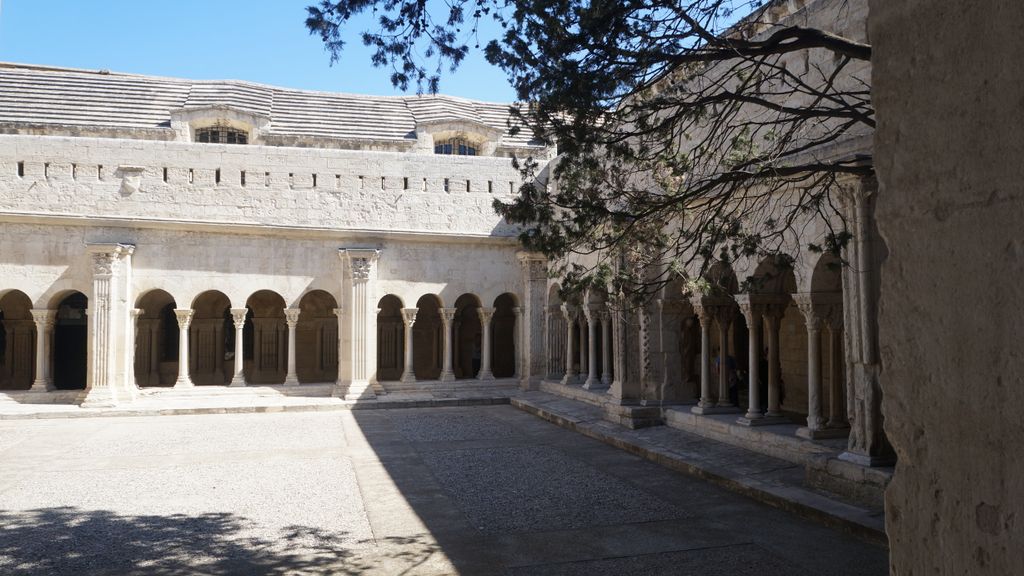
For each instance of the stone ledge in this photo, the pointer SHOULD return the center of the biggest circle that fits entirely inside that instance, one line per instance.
(792, 497)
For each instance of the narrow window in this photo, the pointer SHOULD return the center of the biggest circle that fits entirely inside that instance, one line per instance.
(266, 179)
(216, 176)
(99, 172)
(191, 175)
(165, 175)
(490, 187)
(46, 169)
(424, 184)
(291, 179)
(314, 180)
(241, 178)
(511, 190)
(445, 184)
(74, 171)
(381, 182)
(21, 169)
(405, 182)
(467, 186)
(337, 180)
(360, 182)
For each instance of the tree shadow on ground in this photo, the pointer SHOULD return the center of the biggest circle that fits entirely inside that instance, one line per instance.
(69, 540)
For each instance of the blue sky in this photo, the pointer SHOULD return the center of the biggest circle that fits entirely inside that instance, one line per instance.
(256, 40)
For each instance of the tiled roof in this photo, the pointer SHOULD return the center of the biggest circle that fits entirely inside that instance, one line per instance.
(44, 95)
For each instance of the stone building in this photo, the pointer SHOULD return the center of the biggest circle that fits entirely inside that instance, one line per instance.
(172, 236)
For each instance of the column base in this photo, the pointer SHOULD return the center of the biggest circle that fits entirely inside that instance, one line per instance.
(568, 379)
(867, 460)
(42, 386)
(407, 379)
(714, 409)
(821, 433)
(448, 376)
(184, 383)
(485, 376)
(762, 421)
(291, 381)
(593, 384)
(99, 398)
(237, 382)
(354, 391)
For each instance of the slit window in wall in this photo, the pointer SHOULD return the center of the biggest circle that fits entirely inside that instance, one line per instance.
(216, 176)
(99, 172)
(424, 184)
(266, 179)
(21, 169)
(221, 135)
(241, 178)
(165, 175)
(46, 169)
(511, 188)
(490, 187)
(291, 179)
(314, 180)
(360, 182)
(381, 182)
(446, 185)
(191, 175)
(405, 182)
(74, 171)
(337, 180)
(467, 186)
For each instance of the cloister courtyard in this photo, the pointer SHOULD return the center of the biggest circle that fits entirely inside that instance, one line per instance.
(469, 490)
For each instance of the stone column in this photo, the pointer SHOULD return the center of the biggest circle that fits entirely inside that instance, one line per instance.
(837, 399)
(107, 382)
(606, 348)
(725, 316)
(704, 317)
(773, 319)
(409, 318)
(485, 353)
(184, 317)
(590, 318)
(752, 312)
(812, 318)
(517, 338)
(569, 312)
(133, 344)
(360, 360)
(291, 317)
(448, 319)
(45, 321)
(530, 326)
(238, 318)
(339, 313)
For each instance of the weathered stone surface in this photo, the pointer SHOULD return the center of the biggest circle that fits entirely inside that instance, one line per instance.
(947, 87)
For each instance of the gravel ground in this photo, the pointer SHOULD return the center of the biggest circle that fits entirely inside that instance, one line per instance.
(473, 490)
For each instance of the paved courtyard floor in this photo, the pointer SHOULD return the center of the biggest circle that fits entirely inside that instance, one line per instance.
(480, 490)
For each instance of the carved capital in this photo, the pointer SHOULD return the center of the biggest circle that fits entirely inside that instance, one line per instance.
(291, 317)
(238, 317)
(810, 309)
(360, 262)
(518, 311)
(485, 315)
(751, 309)
(569, 312)
(339, 312)
(535, 265)
(184, 317)
(44, 318)
(447, 314)
(409, 316)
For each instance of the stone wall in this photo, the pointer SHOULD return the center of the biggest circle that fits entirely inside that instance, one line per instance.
(253, 185)
(949, 92)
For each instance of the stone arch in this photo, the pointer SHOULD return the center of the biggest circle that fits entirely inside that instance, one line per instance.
(555, 334)
(390, 338)
(827, 274)
(503, 336)
(468, 337)
(722, 283)
(265, 338)
(827, 289)
(680, 344)
(428, 338)
(211, 335)
(156, 339)
(71, 342)
(17, 341)
(316, 338)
